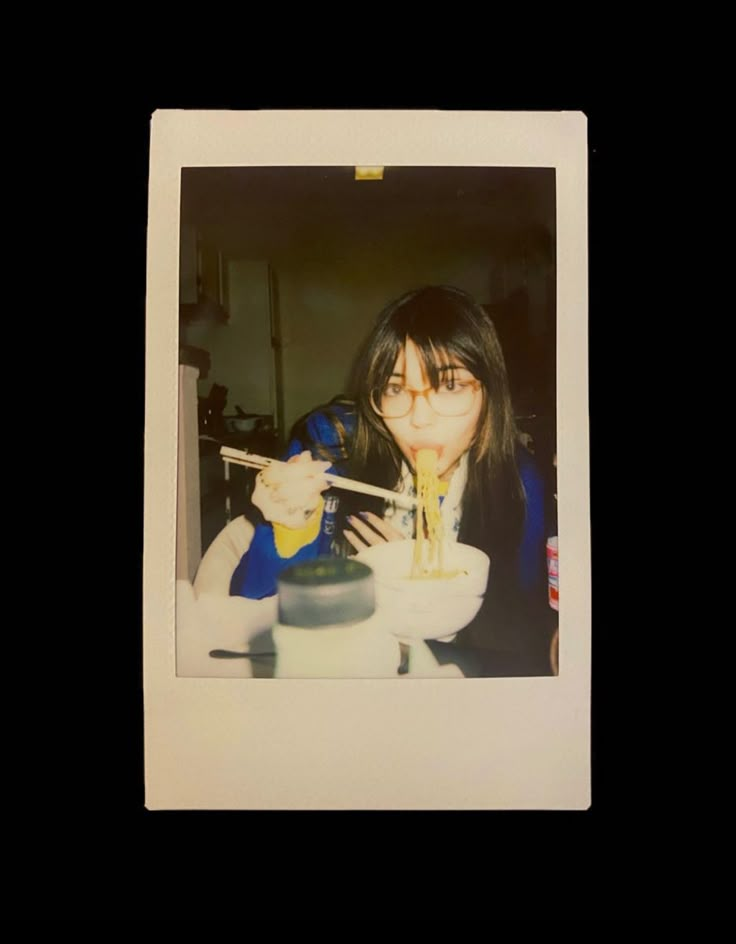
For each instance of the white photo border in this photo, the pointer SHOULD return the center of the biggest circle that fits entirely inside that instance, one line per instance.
(501, 743)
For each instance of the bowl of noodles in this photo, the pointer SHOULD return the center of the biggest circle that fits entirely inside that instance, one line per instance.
(427, 588)
(427, 602)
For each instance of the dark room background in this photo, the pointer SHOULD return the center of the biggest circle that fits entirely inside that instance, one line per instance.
(284, 269)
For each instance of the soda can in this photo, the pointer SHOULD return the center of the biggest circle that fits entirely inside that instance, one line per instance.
(553, 574)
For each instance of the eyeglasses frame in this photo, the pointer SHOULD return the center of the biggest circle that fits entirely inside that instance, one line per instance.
(475, 383)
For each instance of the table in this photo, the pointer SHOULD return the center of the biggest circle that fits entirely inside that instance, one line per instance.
(213, 622)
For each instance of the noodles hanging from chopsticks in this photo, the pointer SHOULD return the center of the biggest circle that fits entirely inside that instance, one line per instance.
(427, 561)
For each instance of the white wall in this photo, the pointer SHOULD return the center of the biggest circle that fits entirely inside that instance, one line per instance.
(330, 285)
(240, 351)
(326, 308)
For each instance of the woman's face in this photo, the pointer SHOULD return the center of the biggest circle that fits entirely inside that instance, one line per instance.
(449, 436)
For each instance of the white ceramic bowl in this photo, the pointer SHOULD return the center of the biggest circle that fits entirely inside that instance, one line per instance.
(430, 608)
(241, 424)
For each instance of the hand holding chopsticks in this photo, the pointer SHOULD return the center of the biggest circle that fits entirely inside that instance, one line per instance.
(337, 481)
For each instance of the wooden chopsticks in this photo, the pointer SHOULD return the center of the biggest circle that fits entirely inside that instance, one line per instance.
(238, 457)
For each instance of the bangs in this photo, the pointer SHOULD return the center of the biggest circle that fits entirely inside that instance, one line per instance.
(435, 356)
(447, 329)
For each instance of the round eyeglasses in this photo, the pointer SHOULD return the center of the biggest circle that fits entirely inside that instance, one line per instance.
(451, 398)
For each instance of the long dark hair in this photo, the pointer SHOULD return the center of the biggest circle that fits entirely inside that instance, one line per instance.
(444, 323)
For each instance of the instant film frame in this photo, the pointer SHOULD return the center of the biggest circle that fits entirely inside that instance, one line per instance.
(230, 743)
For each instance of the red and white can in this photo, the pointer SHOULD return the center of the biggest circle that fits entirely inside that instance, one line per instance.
(553, 574)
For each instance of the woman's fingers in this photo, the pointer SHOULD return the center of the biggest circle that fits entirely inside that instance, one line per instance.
(367, 533)
(371, 530)
(306, 469)
(301, 458)
(300, 475)
(288, 493)
(384, 528)
(297, 468)
(355, 541)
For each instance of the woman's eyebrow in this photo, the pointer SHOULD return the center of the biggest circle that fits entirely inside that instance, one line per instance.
(440, 369)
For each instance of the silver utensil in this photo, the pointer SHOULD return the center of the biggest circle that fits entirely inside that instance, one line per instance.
(229, 654)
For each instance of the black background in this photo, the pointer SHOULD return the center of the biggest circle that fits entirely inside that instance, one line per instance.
(86, 841)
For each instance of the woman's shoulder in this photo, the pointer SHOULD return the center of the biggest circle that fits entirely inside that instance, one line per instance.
(331, 424)
(526, 463)
(530, 474)
(329, 427)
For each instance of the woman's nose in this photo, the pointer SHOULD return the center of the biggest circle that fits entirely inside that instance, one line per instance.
(422, 413)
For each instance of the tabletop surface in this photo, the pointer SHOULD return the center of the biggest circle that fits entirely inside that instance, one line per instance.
(212, 622)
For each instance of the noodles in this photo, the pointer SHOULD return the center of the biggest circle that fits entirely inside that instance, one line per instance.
(428, 552)
(427, 562)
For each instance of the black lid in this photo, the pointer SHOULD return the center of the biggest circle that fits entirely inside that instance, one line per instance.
(327, 591)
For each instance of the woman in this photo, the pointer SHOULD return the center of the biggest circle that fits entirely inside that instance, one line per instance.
(430, 375)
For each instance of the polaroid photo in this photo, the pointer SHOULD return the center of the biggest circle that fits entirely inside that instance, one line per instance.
(366, 453)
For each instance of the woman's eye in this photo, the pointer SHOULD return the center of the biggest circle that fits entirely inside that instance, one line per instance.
(452, 386)
(392, 390)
